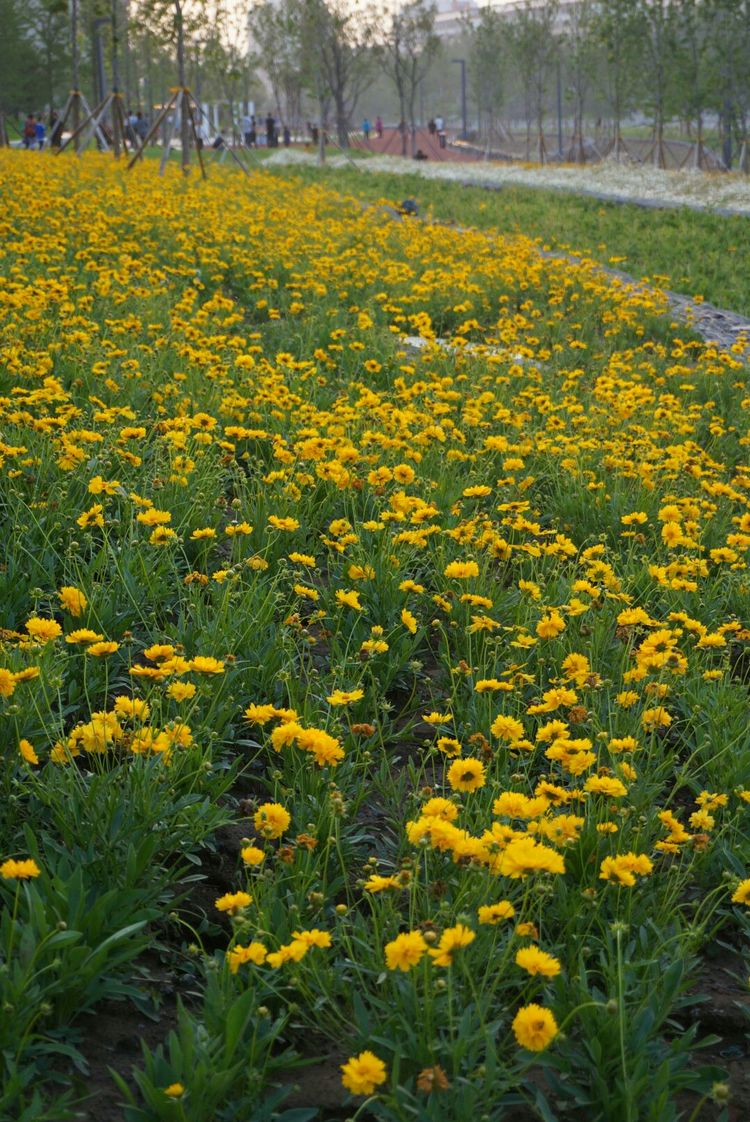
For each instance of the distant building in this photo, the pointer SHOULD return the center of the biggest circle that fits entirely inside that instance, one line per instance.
(452, 15)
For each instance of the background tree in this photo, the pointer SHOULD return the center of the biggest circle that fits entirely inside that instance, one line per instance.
(657, 35)
(488, 55)
(579, 49)
(534, 45)
(226, 58)
(690, 82)
(338, 49)
(47, 22)
(615, 30)
(728, 84)
(19, 81)
(408, 47)
(277, 32)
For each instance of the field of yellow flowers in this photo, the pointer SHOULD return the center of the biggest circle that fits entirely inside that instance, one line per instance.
(373, 669)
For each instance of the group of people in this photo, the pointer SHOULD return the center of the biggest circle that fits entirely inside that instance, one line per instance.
(367, 127)
(250, 132)
(34, 133)
(435, 126)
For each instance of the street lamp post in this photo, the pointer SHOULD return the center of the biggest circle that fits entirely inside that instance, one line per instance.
(462, 63)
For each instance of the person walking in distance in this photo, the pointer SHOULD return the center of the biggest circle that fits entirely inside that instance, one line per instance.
(270, 131)
(379, 126)
(29, 131)
(141, 127)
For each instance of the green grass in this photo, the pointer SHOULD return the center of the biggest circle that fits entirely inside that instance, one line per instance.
(701, 254)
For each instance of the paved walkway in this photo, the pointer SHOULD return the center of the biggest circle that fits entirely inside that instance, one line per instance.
(390, 144)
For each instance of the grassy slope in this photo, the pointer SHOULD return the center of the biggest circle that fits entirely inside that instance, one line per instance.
(700, 253)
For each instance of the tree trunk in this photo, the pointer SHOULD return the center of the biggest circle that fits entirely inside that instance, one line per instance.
(322, 132)
(657, 158)
(541, 146)
(182, 100)
(698, 153)
(342, 120)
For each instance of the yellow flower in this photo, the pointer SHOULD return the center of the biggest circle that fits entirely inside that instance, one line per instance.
(377, 883)
(534, 961)
(73, 600)
(7, 682)
(19, 870)
(181, 691)
(83, 635)
(409, 621)
(100, 650)
(203, 664)
(363, 1073)
(440, 808)
(605, 785)
(741, 894)
(43, 630)
(288, 524)
(514, 804)
(624, 868)
(27, 751)
(550, 625)
(252, 855)
(452, 940)
(534, 1027)
(507, 728)
(345, 697)
(461, 570)
(92, 517)
(348, 599)
(436, 718)
(466, 775)
(132, 707)
(485, 685)
(657, 718)
(233, 902)
(271, 820)
(405, 951)
(162, 535)
(238, 956)
(154, 517)
(448, 745)
(174, 1090)
(492, 914)
(306, 593)
(524, 856)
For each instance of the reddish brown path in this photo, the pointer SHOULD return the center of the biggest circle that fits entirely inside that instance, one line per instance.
(390, 144)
